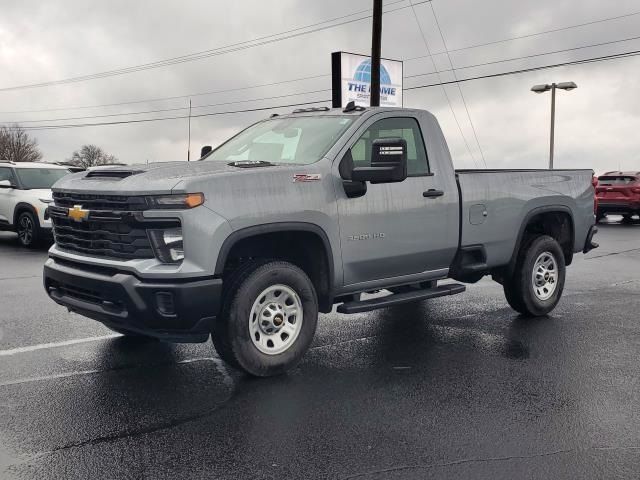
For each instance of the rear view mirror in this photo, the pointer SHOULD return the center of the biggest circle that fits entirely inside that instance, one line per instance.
(5, 184)
(388, 162)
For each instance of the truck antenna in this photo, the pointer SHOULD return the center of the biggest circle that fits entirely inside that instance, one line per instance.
(189, 142)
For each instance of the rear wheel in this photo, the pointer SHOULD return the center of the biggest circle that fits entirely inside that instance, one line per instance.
(28, 229)
(627, 219)
(268, 320)
(538, 279)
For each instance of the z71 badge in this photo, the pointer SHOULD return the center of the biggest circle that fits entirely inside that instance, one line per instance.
(307, 177)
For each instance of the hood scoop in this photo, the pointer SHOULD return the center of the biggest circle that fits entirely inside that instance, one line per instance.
(111, 174)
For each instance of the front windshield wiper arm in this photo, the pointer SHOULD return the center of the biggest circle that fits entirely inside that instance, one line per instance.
(251, 164)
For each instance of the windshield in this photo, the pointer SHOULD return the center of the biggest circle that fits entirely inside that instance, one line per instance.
(34, 178)
(299, 140)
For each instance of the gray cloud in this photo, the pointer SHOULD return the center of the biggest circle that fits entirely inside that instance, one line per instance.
(41, 41)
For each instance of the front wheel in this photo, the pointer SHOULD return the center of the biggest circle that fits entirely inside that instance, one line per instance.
(28, 230)
(268, 320)
(538, 279)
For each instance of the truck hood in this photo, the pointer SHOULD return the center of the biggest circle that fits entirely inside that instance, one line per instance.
(155, 178)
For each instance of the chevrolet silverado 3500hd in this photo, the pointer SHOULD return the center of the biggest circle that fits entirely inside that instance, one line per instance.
(301, 212)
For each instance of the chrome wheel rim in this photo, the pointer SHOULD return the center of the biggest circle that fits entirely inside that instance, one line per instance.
(544, 278)
(25, 230)
(275, 320)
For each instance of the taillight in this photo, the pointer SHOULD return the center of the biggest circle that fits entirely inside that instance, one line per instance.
(594, 183)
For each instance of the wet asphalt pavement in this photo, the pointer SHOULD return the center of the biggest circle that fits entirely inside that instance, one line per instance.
(459, 387)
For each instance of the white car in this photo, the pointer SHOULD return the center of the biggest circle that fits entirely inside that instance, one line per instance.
(25, 192)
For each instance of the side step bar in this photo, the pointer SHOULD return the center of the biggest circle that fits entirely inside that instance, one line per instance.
(399, 298)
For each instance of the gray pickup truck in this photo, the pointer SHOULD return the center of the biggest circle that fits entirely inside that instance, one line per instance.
(301, 212)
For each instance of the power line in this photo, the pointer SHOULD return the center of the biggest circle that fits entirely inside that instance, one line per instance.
(530, 35)
(455, 76)
(629, 54)
(604, 58)
(326, 75)
(209, 53)
(317, 91)
(162, 110)
(524, 57)
(175, 97)
(464, 67)
(144, 120)
(444, 90)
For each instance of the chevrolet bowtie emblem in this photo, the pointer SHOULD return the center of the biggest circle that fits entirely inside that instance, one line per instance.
(78, 214)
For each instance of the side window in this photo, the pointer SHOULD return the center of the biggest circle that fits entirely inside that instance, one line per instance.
(7, 174)
(406, 128)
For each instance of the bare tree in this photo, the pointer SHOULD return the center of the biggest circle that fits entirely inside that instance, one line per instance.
(91, 156)
(17, 146)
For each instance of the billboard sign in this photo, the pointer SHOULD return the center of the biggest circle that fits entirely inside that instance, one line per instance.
(351, 80)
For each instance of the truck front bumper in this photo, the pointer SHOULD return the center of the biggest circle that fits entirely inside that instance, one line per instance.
(169, 310)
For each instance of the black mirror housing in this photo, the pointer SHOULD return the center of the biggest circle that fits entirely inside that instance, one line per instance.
(388, 162)
(205, 150)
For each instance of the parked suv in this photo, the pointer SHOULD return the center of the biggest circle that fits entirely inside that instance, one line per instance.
(619, 193)
(25, 192)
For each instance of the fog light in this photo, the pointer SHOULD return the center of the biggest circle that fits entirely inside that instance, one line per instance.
(165, 303)
(168, 245)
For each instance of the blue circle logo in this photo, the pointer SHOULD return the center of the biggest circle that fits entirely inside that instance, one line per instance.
(363, 73)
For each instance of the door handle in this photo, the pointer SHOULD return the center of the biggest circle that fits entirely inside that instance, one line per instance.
(432, 193)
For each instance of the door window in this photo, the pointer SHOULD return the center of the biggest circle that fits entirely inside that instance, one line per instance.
(7, 174)
(406, 128)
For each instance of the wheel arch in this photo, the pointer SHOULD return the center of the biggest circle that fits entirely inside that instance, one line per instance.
(24, 207)
(554, 220)
(293, 241)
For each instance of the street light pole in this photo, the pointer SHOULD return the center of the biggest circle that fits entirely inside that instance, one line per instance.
(376, 51)
(568, 86)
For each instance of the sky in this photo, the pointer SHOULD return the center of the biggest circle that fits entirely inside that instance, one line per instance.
(597, 125)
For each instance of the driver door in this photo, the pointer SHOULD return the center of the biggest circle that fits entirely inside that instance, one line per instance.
(393, 231)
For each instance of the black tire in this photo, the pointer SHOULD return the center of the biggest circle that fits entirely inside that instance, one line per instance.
(230, 332)
(519, 289)
(627, 219)
(28, 230)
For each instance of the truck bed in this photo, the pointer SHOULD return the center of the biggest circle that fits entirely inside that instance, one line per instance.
(496, 203)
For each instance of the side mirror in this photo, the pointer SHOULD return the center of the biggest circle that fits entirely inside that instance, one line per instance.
(388, 162)
(6, 184)
(205, 150)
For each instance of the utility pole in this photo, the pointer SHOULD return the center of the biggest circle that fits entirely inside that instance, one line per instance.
(553, 123)
(189, 146)
(376, 51)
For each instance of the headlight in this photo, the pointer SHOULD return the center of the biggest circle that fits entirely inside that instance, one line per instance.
(180, 201)
(168, 245)
(46, 200)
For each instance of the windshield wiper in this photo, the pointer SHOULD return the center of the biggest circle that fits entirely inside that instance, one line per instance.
(251, 164)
